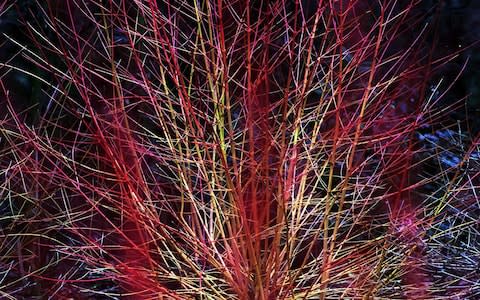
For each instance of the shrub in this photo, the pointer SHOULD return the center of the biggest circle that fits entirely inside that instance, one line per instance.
(232, 150)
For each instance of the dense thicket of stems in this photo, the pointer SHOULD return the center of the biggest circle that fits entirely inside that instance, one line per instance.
(234, 150)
